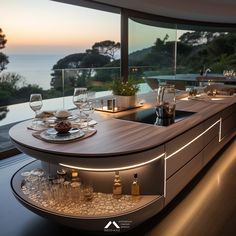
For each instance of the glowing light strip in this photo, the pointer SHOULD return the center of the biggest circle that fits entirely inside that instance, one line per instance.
(152, 160)
(165, 177)
(220, 131)
(113, 169)
(187, 144)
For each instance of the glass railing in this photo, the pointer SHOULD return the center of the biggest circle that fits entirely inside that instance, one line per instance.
(183, 79)
(57, 88)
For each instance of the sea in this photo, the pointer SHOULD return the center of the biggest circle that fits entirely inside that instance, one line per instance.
(37, 69)
(34, 69)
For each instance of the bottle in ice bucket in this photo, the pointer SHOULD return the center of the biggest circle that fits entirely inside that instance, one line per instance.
(165, 108)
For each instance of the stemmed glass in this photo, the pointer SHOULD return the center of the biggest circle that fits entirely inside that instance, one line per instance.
(36, 104)
(79, 99)
(88, 109)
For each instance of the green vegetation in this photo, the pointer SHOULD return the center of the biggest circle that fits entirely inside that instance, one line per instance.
(83, 69)
(3, 58)
(128, 88)
(195, 51)
(97, 67)
(13, 89)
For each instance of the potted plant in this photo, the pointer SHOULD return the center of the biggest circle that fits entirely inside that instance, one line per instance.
(125, 92)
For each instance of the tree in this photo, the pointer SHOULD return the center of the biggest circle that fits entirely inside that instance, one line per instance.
(215, 50)
(106, 48)
(79, 67)
(160, 55)
(3, 58)
(196, 38)
(3, 41)
(72, 61)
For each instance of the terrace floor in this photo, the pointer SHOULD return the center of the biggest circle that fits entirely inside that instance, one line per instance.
(5, 142)
(207, 206)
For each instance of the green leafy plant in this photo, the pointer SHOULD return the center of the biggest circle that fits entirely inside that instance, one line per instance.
(128, 88)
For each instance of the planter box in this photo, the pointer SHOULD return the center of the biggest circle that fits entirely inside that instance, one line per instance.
(125, 101)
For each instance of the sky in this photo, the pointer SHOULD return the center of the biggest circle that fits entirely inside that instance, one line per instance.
(48, 27)
(144, 36)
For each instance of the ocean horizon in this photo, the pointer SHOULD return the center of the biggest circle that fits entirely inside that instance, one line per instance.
(34, 68)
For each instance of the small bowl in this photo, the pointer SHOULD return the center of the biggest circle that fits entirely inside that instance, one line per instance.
(63, 127)
(62, 114)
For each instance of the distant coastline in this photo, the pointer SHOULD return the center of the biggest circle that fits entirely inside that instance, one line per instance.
(35, 68)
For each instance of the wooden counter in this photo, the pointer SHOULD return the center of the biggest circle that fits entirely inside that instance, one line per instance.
(118, 137)
(165, 158)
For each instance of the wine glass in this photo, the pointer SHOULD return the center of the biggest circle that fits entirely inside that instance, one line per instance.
(79, 99)
(36, 104)
(88, 109)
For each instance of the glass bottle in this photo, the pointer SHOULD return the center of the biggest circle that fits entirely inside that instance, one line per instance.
(165, 108)
(135, 188)
(75, 176)
(117, 186)
(61, 173)
(75, 186)
(166, 101)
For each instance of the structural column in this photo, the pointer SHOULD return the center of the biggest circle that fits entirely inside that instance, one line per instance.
(124, 45)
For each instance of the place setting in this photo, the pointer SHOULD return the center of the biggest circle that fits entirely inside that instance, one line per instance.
(62, 126)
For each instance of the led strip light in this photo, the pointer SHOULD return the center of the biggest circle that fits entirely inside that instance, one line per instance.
(114, 169)
(187, 144)
(164, 188)
(152, 160)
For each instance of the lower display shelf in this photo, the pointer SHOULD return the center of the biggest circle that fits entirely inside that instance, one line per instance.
(73, 209)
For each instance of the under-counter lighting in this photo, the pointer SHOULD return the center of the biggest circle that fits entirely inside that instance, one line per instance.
(220, 131)
(149, 161)
(113, 169)
(187, 144)
(191, 209)
(184, 99)
(164, 188)
(217, 99)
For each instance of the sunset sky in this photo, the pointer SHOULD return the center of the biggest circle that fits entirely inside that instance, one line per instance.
(47, 27)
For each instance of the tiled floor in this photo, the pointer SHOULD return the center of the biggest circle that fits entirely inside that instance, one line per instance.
(207, 207)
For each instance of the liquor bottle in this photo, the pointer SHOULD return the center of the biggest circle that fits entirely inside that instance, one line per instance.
(135, 189)
(117, 186)
(75, 186)
(75, 176)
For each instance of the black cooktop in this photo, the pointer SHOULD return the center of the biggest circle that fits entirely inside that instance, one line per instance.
(149, 116)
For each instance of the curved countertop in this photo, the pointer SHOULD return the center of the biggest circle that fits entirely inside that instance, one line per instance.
(118, 137)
